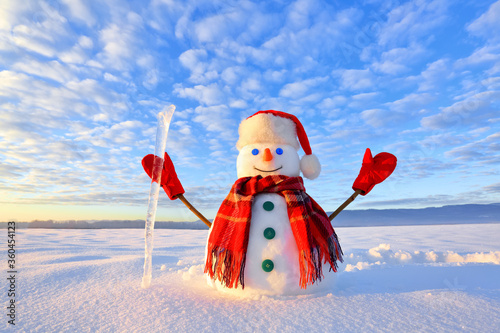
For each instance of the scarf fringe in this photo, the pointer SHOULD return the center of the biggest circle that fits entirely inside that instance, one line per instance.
(225, 267)
(311, 261)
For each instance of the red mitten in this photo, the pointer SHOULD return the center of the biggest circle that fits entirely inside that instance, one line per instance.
(169, 180)
(374, 170)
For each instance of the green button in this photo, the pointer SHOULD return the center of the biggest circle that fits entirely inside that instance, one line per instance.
(269, 233)
(268, 205)
(267, 265)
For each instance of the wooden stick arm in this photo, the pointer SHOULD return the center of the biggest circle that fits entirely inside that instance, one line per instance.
(344, 205)
(194, 210)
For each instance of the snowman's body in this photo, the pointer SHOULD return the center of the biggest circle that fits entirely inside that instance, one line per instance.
(272, 253)
(270, 239)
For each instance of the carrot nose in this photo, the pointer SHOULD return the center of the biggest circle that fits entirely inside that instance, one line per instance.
(267, 156)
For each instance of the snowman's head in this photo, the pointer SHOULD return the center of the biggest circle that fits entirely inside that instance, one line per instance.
(268, 159)
(268, 145)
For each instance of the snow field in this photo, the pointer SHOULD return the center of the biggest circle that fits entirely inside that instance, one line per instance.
(411, 279)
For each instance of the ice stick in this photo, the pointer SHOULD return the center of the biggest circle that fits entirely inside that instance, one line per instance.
(164, 118)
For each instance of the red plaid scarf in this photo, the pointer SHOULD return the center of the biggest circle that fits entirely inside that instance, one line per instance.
(314, 235)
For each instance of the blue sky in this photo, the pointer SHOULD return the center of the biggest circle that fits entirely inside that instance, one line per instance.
(81, 83)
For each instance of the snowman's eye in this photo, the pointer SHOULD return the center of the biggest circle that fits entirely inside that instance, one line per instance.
(279, 151)
(255, 151)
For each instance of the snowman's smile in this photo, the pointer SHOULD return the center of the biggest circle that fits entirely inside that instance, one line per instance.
(267, 170)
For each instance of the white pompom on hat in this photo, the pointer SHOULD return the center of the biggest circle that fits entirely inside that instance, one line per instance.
(277, 127)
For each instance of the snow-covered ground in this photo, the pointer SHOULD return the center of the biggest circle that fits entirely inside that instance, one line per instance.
(440, 278)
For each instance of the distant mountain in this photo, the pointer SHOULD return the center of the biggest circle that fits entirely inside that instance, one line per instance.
(457, 214)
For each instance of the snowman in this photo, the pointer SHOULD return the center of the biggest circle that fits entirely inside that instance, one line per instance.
(269, 236)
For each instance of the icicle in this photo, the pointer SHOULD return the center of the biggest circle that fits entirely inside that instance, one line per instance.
(164, 118)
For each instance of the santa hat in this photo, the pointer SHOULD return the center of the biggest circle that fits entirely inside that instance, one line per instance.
(277, 127)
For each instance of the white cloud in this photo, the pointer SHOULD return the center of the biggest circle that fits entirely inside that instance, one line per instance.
(305, 101)
(11, 12)
(85, 42)
(336, 123)
(411, 102)
(495, 70)
(84, 98)
(244, 23)
(491, 83)
(195, 61)
(215, 28)
(238, 104)
(53, 70)
(300, 14)
(380, 117)
(36, 27)
(80, 11)
(483, 55)
(481, 151)
(434, 74)
(301, 88)
(122, 42)
(110, 102)
(333, 102)
(33, 40)
(112, 78)
(398, 60)
(15, 129)
(79, 53)
(151, 77)
(251, 84)
(73, 56)
(362, 100)
(468, 111)
(62, 151)
(487, 24)
(330, 27)
(217, 119)
(250, 89)
(184, 127)
(432, 142)
(183, 24)
(389, 67)
(413, 20)
(356, 79)
(274, 75)
(11, 171)
(304, 40)
(117, 135)
(101, 117)
(117, 46)
(191, 59)
(207, 95)
(232, 75)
